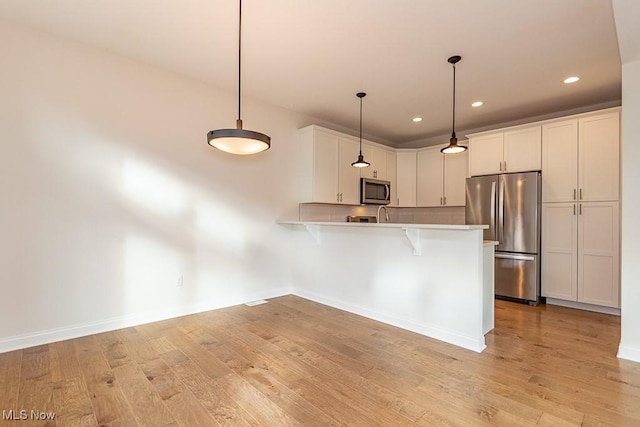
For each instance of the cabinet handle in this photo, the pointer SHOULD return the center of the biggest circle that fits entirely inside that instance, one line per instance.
(445, 200)
(574, 194)
(500, 165)
(337, 197)
(505, 166)
(574, 209)
(580, 209)
(398, 201)
(440, 201)
(340, 196)
(581, 194)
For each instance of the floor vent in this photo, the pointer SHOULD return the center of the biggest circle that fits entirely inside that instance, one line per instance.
(252, 303)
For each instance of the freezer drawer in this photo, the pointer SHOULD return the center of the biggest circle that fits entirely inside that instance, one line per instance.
(517, 276)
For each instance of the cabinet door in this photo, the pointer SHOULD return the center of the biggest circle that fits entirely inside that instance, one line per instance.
(455, 174)
(325, 167)
(599, 157)
(522, 150)
(392, 175)
(560, 161)
(598, 254)
(559, 278)
(348, 176)
(485, 154)
(378, 159)
(429, 182)
(406, 178)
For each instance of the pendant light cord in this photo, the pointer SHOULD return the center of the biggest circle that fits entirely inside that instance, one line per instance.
(453, 127)
(239, 122)
(360, 125)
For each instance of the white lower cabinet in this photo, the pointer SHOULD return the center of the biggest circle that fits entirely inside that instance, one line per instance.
(580, 252)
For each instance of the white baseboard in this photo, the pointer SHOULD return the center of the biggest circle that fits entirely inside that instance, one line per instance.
(584, 306)
(75, 331)
(629, 352)
(432, 331)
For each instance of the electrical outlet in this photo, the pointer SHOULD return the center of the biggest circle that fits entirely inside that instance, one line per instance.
(180, 282)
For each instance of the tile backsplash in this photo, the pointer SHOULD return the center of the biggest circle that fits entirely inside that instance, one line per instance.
(339, 213)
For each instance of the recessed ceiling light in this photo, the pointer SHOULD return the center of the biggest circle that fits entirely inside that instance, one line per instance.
(571, 79)
(417, 119)
(477, 103)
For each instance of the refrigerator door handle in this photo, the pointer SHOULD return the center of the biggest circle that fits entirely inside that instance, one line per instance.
(517, 257)
(501, 211)
(494, 224)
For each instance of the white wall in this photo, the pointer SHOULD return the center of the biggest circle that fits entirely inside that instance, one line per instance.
(626, 13)
(110, 193)
(630, 273)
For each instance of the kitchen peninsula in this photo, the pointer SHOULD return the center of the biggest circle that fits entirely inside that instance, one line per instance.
(433, 279)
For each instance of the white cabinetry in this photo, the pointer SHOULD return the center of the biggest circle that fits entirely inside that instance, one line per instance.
(406, 178)
(516, 150)
(440, 178)
(378, 158)
(392, 174)
(325, 171)
(429, 177)
(581, 158)
(580, 213)
(580, 252)
(455, 175)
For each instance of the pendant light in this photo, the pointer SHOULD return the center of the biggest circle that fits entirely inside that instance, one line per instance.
(238, 140)
(453, 146)
(361, 162)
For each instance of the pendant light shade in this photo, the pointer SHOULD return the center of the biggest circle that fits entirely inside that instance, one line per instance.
(453, 146)
(238, 140)
(361, 162)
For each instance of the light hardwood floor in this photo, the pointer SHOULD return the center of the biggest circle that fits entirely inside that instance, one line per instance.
(296, 362)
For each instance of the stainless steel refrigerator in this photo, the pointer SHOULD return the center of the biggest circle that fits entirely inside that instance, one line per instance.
(510, 205)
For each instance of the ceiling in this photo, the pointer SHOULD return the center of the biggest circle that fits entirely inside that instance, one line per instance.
(313, 56)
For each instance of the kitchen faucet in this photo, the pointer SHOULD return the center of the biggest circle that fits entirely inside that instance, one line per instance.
(386, 214)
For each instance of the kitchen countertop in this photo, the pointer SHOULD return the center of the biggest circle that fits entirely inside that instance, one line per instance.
(389, 225)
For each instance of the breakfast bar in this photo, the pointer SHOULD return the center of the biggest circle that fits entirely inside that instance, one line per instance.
(433, 279)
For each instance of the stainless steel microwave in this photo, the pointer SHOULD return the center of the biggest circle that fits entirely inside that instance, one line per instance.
(374, 191)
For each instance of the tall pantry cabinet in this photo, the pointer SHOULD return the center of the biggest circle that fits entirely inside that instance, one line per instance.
(580, 209)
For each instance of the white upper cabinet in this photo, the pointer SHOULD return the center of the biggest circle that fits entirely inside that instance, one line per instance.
(455, 175)
(392, 175)
(441, 178)
(348, 176)
(517, 150)
(560, 161)
(406, 179)
(581, 159)
(378, 158)
(430, 177)
(599, 157)
(325, 171)
(485, 154)
(523, 150)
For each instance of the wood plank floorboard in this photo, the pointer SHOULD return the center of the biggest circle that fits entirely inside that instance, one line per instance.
(294, 362)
